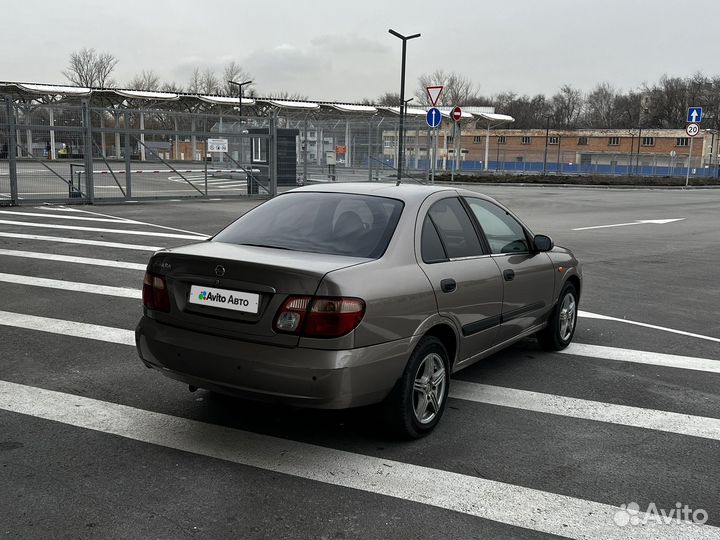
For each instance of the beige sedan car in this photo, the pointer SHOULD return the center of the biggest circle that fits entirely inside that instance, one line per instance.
(347, 295)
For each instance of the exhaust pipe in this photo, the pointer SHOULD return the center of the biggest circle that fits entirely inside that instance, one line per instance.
(192, 388)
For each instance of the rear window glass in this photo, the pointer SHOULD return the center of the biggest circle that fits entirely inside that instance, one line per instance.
(331, 223)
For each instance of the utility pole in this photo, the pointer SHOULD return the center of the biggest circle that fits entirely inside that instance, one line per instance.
(401, 134)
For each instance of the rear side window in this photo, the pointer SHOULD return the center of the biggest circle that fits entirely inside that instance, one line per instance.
(456, 231)
(430, 245)
(330, 223)
(503, 232)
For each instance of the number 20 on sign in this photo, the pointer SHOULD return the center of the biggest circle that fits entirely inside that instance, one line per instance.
(692, 129)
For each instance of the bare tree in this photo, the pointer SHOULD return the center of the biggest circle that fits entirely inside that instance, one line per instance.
(600, 106)
(171, 87)
(87, 67)
(389, 99)
(284, 94)
(567, 106)
(457, 89)
(195, 81)
(234, 72)
(145, 80)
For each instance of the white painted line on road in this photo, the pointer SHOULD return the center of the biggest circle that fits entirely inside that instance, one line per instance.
(72, 259)
(597, 411)
(637, 222)
(68, 328)
(96, 229)
(60, 216)
(65, 240)
(643, 357)
(514, 505)
(122, 292)
(588, 315)
(682, 424)
(126, 220)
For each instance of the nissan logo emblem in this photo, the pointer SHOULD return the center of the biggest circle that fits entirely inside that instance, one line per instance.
(220, 270)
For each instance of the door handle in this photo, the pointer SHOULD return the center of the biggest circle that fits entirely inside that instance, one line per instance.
(448, 285)
(509, 275)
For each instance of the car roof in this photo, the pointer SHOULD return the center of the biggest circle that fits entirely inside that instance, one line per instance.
(408, 193)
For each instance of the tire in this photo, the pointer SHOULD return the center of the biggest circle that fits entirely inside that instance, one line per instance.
(417, 402)
(562, 321)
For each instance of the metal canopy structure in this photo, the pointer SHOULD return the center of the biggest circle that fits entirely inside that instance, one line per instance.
(491, 120)
(120, 98)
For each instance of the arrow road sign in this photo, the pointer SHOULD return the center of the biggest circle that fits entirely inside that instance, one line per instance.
(637, 222)
(434, 117)
(456, 113)
(692, 129)
(433, 93)
(695, 115)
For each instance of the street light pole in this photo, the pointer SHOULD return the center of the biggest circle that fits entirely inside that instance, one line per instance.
(401, 132)
(240, 92)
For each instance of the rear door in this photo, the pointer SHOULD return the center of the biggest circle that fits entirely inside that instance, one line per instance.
(528, 277)
(464, 277)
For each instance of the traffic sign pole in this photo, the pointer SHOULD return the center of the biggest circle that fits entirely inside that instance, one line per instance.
(687, 176)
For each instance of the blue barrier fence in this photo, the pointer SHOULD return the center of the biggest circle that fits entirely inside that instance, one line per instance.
(535, 167)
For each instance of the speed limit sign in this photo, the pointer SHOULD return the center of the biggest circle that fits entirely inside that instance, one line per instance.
(692, 129)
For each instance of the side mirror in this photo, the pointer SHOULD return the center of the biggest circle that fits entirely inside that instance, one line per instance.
(543, 243)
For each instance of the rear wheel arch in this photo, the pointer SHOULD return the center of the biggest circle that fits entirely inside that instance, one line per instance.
(446, 334)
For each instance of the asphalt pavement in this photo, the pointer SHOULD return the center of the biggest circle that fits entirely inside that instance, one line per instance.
(533, 444)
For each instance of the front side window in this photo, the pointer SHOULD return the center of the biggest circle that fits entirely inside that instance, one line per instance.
(503, 232)
(329, 223)
(455, 229)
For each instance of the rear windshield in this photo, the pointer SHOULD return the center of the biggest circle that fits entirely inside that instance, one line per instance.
(331, 223)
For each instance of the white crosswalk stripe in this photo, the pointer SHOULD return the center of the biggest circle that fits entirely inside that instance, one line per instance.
(681, 424)
(70, 259)
(498, 501)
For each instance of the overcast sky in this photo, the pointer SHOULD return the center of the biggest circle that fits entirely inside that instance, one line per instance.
(342, 50)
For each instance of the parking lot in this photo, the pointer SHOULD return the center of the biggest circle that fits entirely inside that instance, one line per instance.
(533, 444)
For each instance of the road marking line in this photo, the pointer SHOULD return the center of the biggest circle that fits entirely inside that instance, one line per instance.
(122, 292)
(97, 229)
(643, 357)
(64, 240)
(72, 259)
(588, 315)
(637, 222)
(598, 411)
(126, 220)
(682, 424)
(502, 502)
(96, 332)
(60, 216)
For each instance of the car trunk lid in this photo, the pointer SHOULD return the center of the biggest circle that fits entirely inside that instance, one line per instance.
(227, 271)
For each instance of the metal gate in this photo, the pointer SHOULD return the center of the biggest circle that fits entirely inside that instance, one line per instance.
(66, 153)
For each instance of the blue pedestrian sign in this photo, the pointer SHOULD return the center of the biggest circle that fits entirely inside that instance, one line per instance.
(434, 117)
(695, 115)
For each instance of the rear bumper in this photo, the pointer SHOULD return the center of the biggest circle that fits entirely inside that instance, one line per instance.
(328, 379)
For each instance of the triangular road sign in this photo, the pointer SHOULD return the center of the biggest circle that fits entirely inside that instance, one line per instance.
(434, 94)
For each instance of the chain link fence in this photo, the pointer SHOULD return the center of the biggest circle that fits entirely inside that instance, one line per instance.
(78, 153)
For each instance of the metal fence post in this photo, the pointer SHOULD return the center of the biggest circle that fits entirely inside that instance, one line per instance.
(12, 151)
(273, 154)
(89, 183)
(128, 156)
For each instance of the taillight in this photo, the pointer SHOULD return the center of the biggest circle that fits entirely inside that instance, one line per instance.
(155, 293)
(321, 317)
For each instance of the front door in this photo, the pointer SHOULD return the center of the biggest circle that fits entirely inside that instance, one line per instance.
(528, 276)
